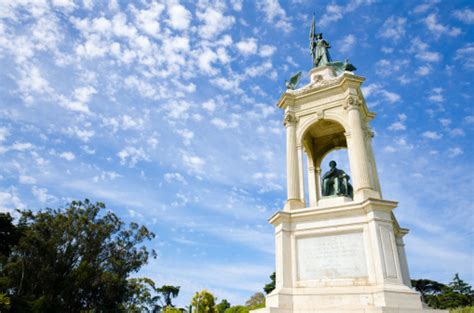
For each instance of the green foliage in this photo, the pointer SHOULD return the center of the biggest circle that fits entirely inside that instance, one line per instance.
(469, 309)
(237, 309)
(271, 285)
(204, 302)
(170, 309)
(456, 294)
(168, 293)
(257, 299)
(222, 306)
(76, 259)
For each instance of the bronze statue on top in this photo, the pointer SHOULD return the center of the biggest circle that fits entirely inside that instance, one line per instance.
(335, 182)
(320, 52)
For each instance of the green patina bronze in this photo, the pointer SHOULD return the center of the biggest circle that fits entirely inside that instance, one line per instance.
(335, 182)
(294, 80)
(319, 47)
(320, 52)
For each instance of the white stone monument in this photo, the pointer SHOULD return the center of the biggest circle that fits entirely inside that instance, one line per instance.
(336, 254)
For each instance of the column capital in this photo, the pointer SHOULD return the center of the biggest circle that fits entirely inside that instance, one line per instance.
(290, 118)
(352, 103)
(369, 132)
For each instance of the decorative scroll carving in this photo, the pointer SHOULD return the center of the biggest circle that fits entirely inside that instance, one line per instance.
(369, 132)
(352, 103)
(290, 117)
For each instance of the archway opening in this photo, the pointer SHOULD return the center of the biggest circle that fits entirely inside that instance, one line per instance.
(322, 141)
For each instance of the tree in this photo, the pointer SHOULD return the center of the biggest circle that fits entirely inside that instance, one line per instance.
(256, 301)
(74, 260)
(427, 288)
(204, 302)
(168, 293)
(222, 306)
(237, 309)
(271, 285)
(9, 236)
(439, 296)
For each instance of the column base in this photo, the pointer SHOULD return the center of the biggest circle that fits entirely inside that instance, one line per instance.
(293, 204)
(362, 299)
(385, 309)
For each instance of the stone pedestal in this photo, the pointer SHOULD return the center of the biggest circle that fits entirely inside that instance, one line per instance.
(341, 257)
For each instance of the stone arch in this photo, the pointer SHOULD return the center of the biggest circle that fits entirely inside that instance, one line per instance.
(307, 124)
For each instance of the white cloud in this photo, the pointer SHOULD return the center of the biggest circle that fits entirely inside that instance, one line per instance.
(347, 43)
(84, 94)
(10, 200)
(267, 51)
(469, 119)
(209, 106)
(25, 179)
(377, 90)
(465, 15)
(454, 152)
(397, 126)
(214, 22)
(466, 55)
(335, 12)
(42, 194)
(428, 56)
(223, 124)
(175, 177)
(275, 14)
(247, 46)
(4, 133)
(69, 156)
(32, 81)
(131, 156)
(205, 60)
(438, 29)
(22, 146)
(445, 121)
(83, 134)
(421, 8)
(393, 28)
(148, 19)
(193, 162)
(456, 132)
(179, 16)
(432, 135)
(237, 4)
(423, 70)
(186, 134)
(436, 95)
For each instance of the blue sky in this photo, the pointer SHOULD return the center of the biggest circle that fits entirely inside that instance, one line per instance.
(165, 111)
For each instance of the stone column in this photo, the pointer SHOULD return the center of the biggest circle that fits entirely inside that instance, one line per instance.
(317, 173)
(301, 174)
(358, 155)
(312, 185)
(292, 168)
(375, 175)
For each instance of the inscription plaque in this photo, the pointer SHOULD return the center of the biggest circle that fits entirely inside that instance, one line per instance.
(331, 256)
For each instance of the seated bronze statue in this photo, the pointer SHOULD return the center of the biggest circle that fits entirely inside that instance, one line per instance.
(335, 182)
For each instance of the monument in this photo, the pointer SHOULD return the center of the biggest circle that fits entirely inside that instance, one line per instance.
(342, 249)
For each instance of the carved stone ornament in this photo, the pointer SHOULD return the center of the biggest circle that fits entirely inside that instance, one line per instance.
(370, 133)
(351, 102)
(320, 115)
(290, 117)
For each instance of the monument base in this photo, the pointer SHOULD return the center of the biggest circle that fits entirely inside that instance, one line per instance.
(341, 256)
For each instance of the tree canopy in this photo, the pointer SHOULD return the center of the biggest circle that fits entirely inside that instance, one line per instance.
(75, 259)
(204, 302)
(440, 296)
